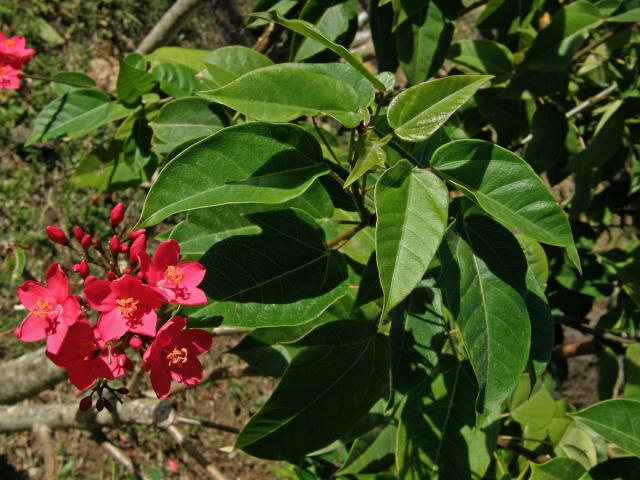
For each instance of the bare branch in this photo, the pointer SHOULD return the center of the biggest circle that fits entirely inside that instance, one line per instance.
(27, 376)
(48, 449)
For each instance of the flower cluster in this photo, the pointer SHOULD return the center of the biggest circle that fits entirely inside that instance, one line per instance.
(13, 57)
(131, 299)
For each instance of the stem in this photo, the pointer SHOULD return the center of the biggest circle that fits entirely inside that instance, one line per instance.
(472, 7)
(507, 444)
(576, 324)
(337, 242)
(596, 43)
(324, 140)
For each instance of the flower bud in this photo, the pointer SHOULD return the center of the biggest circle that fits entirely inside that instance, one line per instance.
(108, 405)
(89, 279)
(136, 233)
(124, 247)
(126, 271)
(85, 403)
(135, 343)
(85, 241)
(83, 268)
(111, 276)
(95, 199)
(56, 235)
(123, 390)
(114, 245)
(100, 404)
(138, 246)
(78, 233)
(117, 215)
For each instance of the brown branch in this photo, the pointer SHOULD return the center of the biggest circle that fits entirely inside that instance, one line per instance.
(575, 349)
(599, 41)
(344, 237)
(27, 376)
(507, 444)
(604, 337)
(43, 437)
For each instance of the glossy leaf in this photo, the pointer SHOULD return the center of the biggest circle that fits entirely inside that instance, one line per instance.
(616, 421)
(250, 163)
(559, 468)
(282, 276)
(411, 208)
(483, 280)
(337, 377)
(437, 436)
(311, 31)
(283, 92)
(419, 111)
(506, 187)
(75, 114)
(228, 63)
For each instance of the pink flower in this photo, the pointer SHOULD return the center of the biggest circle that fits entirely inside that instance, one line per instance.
(127, 305)
(173, 355)
(85, 357)
(176, 282)
(13, 51)
(51, 309)
(9, 78)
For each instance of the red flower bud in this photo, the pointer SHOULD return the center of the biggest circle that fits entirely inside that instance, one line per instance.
(136, 233)
(140, 275)
(138, 246)
(85, 403)
(88, 280)
(95, 199)
(114, 245)
(56, 235)
(126, 271)
(123, 390)
(111, 276)
(117, 215)
(83, 268)
(135, 343)
(78, 233)
(100, 404)
(86, 241)
(124, 247)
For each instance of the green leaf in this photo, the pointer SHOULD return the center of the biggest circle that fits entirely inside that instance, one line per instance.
(615, 469)
(608, 369)
(249, 163)
(557, 469)
(437, 436)
(419, 111)
(176, 80)
(506, 187)
(266, 359)
(335, 21)
(381, 23)
(630, 16)
(206, 226)
(537, 411)
(632, 372)
(311, 31)
(337, 377)
(229, 63)
(374, 155)
(616, 421)
(185, 119)
(549, 134)
(78, 78)
(283, 276)
(554, 47)
(189, 57)
(133, 80)
(283, 92)
(422, 41)
(369, 288)
(482, 56)
(542, 325)
(483, 280)
(75, 114)
(372, 452)
(411, 208)
(536, 259)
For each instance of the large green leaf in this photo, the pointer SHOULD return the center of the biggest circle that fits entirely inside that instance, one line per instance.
(559, 468)
(632, 372)
(482, 56)
(549, 133)
(185, 119)
(133, 80)
(206, 226)
(411, 208)
(419, 111)
(483, 280)
(189, 57)
(337, 377)
(228, 63)
(422, 41)
(311, 31)
(437, 435)
(283, 92)
(176, 80)
(507, 188)
(371, 452)
(249, 163)
(283, 276)
(76, 113)
(616, 421)
(555, 46)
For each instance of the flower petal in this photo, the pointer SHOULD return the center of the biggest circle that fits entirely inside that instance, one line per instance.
(57, 283)
(32, 329)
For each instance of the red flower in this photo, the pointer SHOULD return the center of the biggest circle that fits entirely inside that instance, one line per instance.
(176, 282)
(9, 78)
(127, 305)
(13, 51)
(85, 357)
(117, 215)
(173, 355)
(51, 309)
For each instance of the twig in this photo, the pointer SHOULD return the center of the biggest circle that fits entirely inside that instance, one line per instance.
(337, 242)
(508, 444)
(229, 331)
(472, 7)
(262, 43)
(188, 446)
(599, 41)
(576, 324)
(118, 455)
(575, 349)
(207, 424)
(324, 140)
(43, 436)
